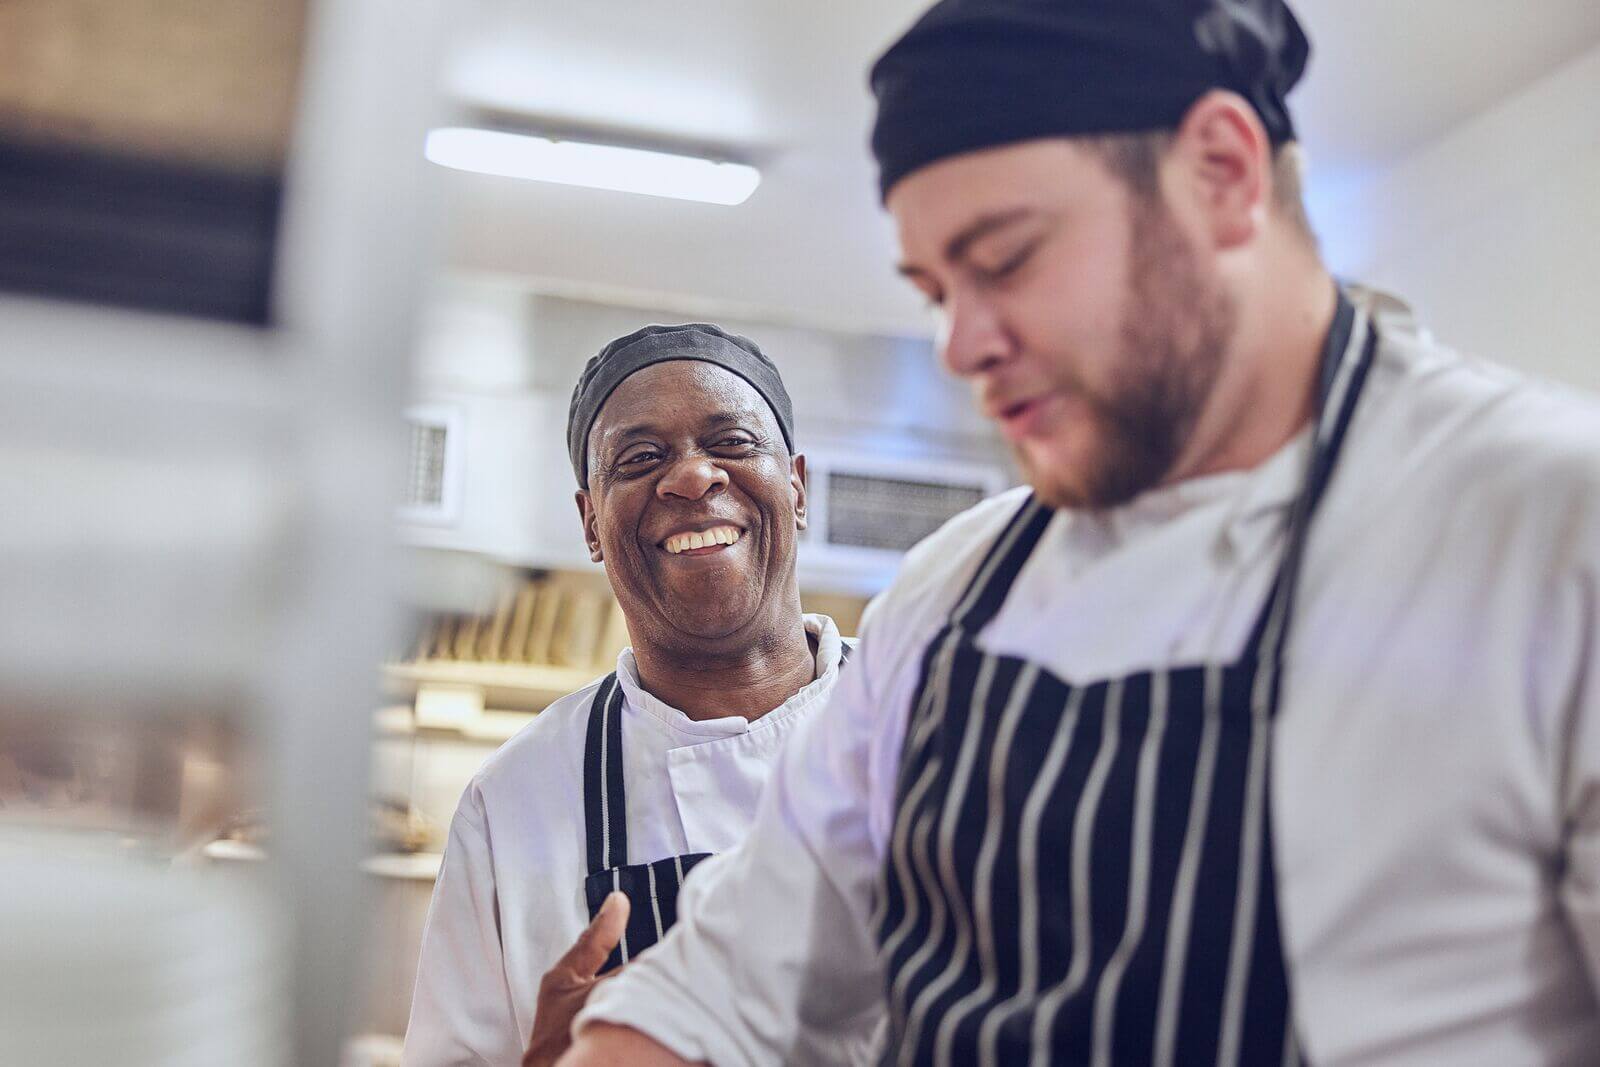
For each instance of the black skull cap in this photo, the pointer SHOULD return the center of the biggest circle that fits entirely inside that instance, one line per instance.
(973, 74)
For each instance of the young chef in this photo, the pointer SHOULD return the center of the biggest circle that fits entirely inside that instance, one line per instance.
(691, 493)
(1265, 724)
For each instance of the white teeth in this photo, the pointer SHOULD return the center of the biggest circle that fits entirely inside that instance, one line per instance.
(685, 542)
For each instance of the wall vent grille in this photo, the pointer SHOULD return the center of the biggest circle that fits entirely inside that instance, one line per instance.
(893, 513)
(433, 472)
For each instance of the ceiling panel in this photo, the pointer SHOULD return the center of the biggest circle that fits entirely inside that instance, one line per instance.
(785, 84)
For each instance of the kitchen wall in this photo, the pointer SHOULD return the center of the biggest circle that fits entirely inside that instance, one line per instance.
(507, 359)
(1492, 232)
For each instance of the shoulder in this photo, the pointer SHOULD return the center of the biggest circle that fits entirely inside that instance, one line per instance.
(934, 573)
(546, 752)
(936, 570)
(1488, 452)
(1505, 433)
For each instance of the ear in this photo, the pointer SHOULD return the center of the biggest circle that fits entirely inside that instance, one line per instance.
(591, 533)
(797, 483)
(1224, 162)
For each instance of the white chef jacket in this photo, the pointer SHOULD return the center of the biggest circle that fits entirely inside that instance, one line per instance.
(509, 900)
(1436, 756)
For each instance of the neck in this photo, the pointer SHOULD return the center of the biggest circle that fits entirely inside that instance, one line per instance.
(1266, 391)
(760, 677)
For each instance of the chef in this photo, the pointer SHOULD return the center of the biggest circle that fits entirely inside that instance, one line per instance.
(1263, 724)
(692, 495)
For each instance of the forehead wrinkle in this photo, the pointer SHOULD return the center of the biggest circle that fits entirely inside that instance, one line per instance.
(744, 414)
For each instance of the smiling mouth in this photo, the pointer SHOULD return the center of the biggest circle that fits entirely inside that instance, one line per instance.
(703, 542)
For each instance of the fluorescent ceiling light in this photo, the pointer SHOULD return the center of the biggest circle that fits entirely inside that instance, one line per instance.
(597, 166)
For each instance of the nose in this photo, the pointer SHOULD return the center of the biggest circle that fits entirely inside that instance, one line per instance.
(972, 339)
(691, 478)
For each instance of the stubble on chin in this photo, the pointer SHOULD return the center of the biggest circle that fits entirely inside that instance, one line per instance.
(1176, 326)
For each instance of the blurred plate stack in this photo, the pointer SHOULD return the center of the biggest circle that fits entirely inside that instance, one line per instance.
(540, 622)
(117, 959)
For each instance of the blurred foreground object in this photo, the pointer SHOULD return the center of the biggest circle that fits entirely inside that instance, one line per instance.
(113, 959)
(197, 511)
(142, 150)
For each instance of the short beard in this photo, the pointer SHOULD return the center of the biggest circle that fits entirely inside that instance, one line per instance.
(1175, 328)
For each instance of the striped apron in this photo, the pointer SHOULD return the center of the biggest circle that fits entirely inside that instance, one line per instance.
(1082, 874)
(652, 888)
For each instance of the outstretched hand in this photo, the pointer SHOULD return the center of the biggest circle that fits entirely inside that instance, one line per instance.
(566, 986)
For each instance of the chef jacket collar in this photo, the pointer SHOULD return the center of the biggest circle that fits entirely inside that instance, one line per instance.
(1267, 499)
(1257, 501)
(829, 646)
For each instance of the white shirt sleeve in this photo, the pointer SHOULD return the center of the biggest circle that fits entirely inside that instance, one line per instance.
(772, 960)
(461, 1010)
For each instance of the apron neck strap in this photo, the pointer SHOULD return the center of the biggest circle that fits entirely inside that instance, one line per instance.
(989, 587)
(1347, 358)
(605, 804)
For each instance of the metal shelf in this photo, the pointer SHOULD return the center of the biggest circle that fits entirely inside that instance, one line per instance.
(490, 728)
(508, 686)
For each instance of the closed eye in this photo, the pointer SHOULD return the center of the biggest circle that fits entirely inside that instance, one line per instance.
(1010, 263)
(733, 441)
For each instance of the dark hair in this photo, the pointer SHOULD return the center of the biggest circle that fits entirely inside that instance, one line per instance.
(1135, 159)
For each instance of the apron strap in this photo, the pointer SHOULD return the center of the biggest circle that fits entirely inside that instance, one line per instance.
(987, 590)
(1351, 350)
(605, 804)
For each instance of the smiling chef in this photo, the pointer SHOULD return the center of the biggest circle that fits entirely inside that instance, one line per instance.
(692, 495)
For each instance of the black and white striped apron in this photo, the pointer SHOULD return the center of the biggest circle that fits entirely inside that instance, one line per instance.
(1083, 874)
(652, 888)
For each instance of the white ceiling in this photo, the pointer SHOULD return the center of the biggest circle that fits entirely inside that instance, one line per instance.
(784, 83)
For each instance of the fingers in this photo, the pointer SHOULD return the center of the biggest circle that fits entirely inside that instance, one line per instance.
(588, 954)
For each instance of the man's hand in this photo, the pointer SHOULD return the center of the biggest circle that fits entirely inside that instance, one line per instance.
(565, 987)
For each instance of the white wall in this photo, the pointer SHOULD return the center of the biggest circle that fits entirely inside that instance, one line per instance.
(1492, 232)
(477, 354)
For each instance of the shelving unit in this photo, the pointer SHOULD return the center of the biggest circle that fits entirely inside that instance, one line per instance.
(505, 686)
(414, 866)
(492, 728)
(408, 866)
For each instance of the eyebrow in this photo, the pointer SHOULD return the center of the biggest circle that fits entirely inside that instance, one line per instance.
(980, 227)
(624, 433)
